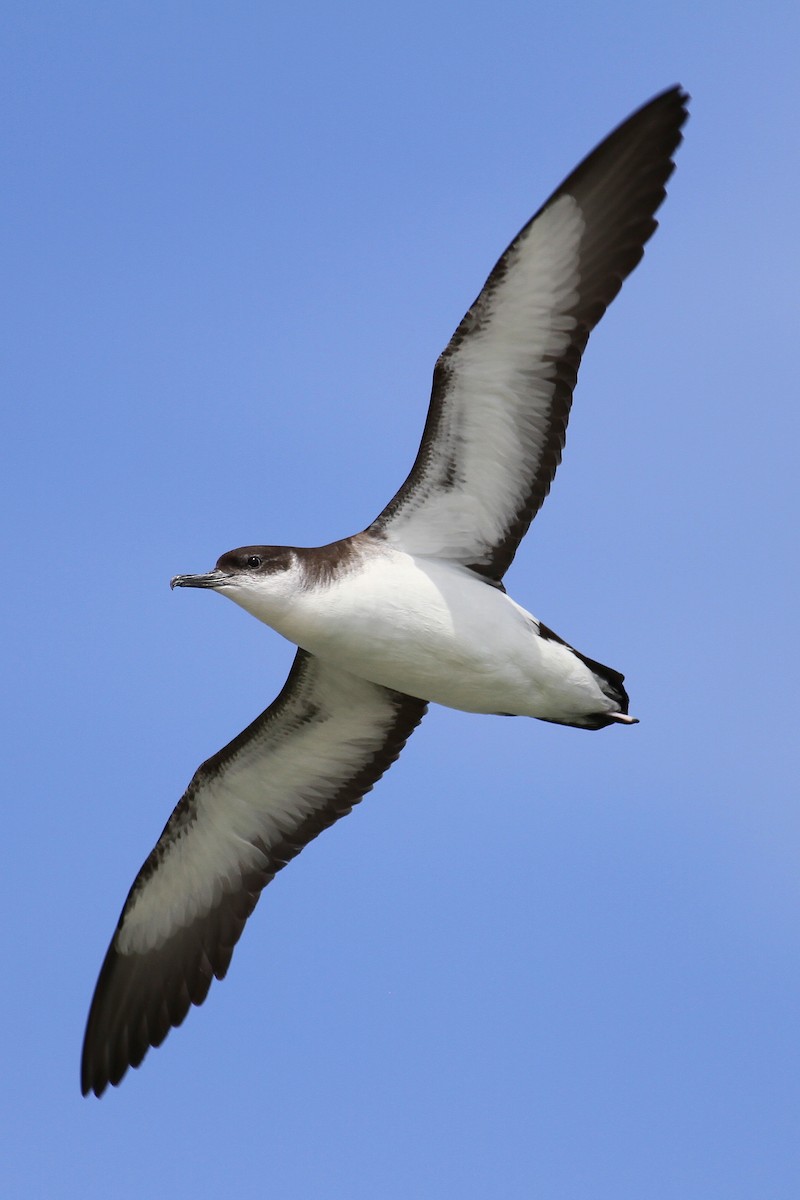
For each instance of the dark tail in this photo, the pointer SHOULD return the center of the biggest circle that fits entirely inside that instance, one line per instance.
(610, 681)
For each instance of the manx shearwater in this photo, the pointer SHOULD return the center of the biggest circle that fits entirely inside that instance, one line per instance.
(409, 611)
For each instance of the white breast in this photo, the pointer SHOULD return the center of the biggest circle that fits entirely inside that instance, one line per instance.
(435, 630)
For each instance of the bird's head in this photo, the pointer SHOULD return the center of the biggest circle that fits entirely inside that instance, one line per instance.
(262, 579)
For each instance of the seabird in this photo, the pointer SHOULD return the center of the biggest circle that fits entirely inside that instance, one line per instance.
(410, 611)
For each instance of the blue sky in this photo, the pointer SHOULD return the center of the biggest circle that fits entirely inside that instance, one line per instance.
(535, 962)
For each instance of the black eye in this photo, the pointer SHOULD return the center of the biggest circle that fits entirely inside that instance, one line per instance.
(253, 561)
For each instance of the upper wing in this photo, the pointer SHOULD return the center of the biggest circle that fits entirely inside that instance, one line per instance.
(502, 389)
(303, 763)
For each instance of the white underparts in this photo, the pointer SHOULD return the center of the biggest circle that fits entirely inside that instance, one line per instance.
(431, 629)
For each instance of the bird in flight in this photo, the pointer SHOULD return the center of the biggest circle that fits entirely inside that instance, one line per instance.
(410, 611)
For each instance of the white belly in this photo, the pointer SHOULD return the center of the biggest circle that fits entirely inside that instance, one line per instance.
(436, 631)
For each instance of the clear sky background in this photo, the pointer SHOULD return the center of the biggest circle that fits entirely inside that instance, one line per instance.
(536, 962)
